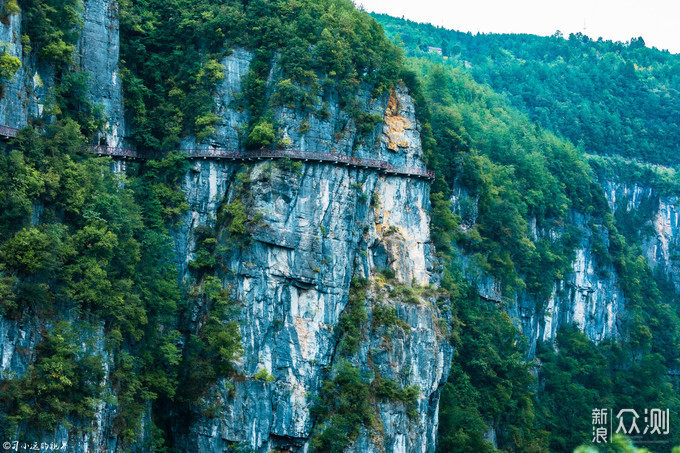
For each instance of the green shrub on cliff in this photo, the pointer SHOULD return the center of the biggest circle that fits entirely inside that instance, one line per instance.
(262, 135)
(10, 7)
(9, 66)
(61, 382)
(345, 406)
(171, 52)
(53, 27)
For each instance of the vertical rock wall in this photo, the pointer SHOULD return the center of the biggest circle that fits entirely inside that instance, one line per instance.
(660, 223)
(26, 97)
(318, 227)
(588, 296)
(28, 94)
(97, 55)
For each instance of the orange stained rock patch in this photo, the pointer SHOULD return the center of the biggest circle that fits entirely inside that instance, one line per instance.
(395, 125)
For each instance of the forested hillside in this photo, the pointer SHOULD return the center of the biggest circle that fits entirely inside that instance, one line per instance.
(600, 97)
(606, 97)
(520, 173)
(173, 304)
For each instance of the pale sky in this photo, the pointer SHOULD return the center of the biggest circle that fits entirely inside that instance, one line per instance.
(657, 21)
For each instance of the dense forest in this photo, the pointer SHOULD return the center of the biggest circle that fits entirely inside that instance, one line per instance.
(519, 172)
(605, 97)
(101, 248)
(497, 145)
(508, 118)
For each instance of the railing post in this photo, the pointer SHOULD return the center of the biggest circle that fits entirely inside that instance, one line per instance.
(336, 158)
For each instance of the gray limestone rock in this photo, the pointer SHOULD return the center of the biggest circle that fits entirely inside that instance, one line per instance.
(661, 228)
(97, 54)
(26, 95)
(588, 296)
(316, 228)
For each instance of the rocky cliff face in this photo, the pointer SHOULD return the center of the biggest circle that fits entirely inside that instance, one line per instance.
(317, 227)
(659, 217)
(18, 342)
(589, 296)
(27, 95)
(97, 54)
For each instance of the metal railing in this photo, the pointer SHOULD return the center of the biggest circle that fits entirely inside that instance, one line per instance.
(9, 132)
(333, 158)
(219, 153)
(116, 152)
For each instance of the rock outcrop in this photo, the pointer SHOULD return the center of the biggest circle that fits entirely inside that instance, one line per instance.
(97, 55)
(317, 227)
(659, 227)
(29, 94)
(589, 296)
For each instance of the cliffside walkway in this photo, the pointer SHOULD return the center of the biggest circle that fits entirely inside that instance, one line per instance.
(304, 156)
(381, 166)
(7, 132)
